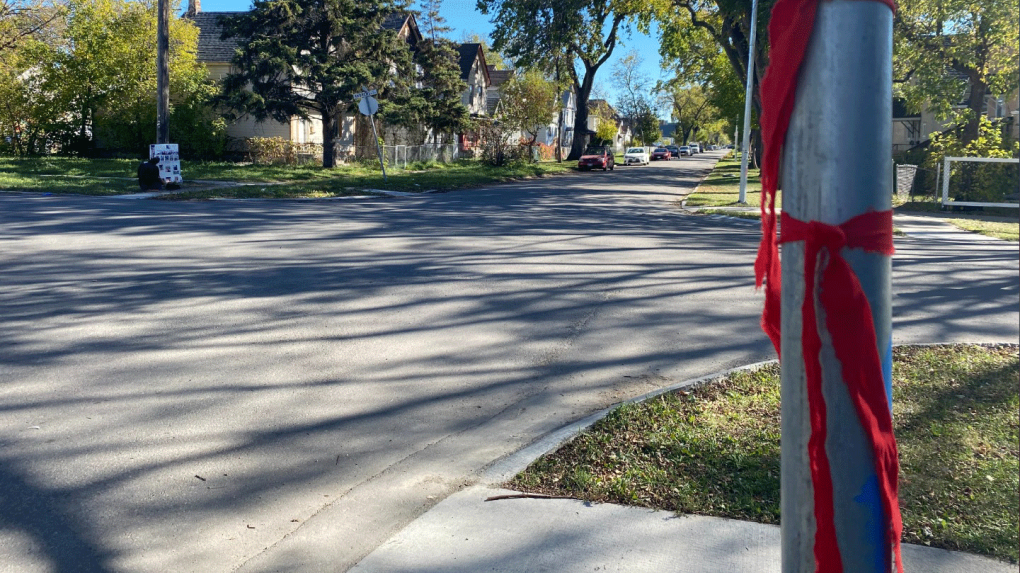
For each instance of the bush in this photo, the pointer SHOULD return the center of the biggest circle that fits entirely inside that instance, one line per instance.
(980, 182)
(276, 150)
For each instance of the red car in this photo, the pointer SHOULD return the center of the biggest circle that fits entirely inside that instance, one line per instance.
(661, 153)
(597, 158)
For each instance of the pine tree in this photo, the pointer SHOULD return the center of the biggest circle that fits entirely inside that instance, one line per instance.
(309, 57)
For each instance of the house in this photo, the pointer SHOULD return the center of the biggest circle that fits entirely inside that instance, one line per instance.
(599, 109)
(475, 73)
(560, 129)
(216, 54)
(494, 93)
(911, 129)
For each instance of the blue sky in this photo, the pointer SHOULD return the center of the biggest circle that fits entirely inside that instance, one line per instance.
(464, 18)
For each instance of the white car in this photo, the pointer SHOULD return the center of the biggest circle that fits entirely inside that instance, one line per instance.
(636, 156)
(695, 147)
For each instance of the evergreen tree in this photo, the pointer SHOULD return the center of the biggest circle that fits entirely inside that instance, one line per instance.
(430, 104)
(434, 24)
(309, 57)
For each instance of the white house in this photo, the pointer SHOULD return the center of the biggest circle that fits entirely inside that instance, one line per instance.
(216, 54)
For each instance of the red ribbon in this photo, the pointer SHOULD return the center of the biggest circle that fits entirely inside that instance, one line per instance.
(847, 312)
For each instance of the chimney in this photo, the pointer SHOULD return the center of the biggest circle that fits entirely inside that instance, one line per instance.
(194, 7)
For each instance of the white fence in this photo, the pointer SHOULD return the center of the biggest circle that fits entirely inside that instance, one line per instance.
(1012, 200)
(400, 156)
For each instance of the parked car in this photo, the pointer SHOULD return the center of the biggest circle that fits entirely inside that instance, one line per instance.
(597, 157)
(695, 147)
(636, 156)
(660, 153)
(685, 150)
(674, 151)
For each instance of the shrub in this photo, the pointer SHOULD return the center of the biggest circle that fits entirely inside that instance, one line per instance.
(276, 150)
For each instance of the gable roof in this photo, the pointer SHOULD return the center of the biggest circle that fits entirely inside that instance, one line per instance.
(468, 54)
(212, 48)
(498, 77)
(594, 104)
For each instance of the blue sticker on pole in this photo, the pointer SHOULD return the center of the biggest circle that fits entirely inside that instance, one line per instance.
(874, 529)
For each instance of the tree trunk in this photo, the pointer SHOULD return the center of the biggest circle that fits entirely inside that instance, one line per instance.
(581, 118)
(756, 148)
(328, 150)
(977, 106)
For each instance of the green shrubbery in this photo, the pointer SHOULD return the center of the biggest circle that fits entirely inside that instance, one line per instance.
(969, 181)
(276, 150)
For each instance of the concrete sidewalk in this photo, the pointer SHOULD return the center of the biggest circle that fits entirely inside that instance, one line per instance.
(466, 534)
(469, 532)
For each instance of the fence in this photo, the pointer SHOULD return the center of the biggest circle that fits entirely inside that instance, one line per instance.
(399, 156)
(972, 182)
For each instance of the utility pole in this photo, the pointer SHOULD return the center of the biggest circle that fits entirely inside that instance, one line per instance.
(742, 199)
(559, 126)
(163, 72)
(843, 99)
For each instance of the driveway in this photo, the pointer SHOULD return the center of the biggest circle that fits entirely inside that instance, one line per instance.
(282, 385)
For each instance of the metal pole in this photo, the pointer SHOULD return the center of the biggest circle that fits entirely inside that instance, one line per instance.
(844, 99)
(747, 103)
(371, 119)
(163, 72)
(945, 183)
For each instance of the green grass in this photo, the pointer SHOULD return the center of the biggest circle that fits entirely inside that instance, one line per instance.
(117, 176)
(997, 222)
(722, 187)
(714, 450)
(755, 215)
(997, 229)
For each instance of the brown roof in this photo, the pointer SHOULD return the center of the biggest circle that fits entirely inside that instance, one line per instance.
(499, 77)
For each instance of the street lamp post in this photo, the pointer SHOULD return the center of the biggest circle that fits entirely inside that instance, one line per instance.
(747, 104)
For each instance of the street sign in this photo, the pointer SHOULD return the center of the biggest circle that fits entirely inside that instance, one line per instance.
(365, 94)
(368, 105)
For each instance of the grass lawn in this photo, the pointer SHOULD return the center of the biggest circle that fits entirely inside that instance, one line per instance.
(755, 215)
(714, 450)
(997, 229)
(998, 222)
(722, 187)
(117, 176)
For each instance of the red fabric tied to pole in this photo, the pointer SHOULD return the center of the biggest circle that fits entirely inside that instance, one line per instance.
(847, 312)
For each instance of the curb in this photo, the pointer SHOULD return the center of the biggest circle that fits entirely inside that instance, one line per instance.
(503, 469)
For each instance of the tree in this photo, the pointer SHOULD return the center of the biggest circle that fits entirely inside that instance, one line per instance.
(434, 25)
(572, 33)
(976, 39)
(690, 105)
(605, 124)
(647, 127)
(531, 102)
(100, 75)
(694, 31)
(632, 85)
(435, 107)
(309, 57)
(21, 19)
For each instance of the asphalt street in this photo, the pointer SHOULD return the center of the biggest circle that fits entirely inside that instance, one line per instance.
(283, 385)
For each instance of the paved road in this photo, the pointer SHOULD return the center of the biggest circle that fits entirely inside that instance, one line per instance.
(281, 386)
